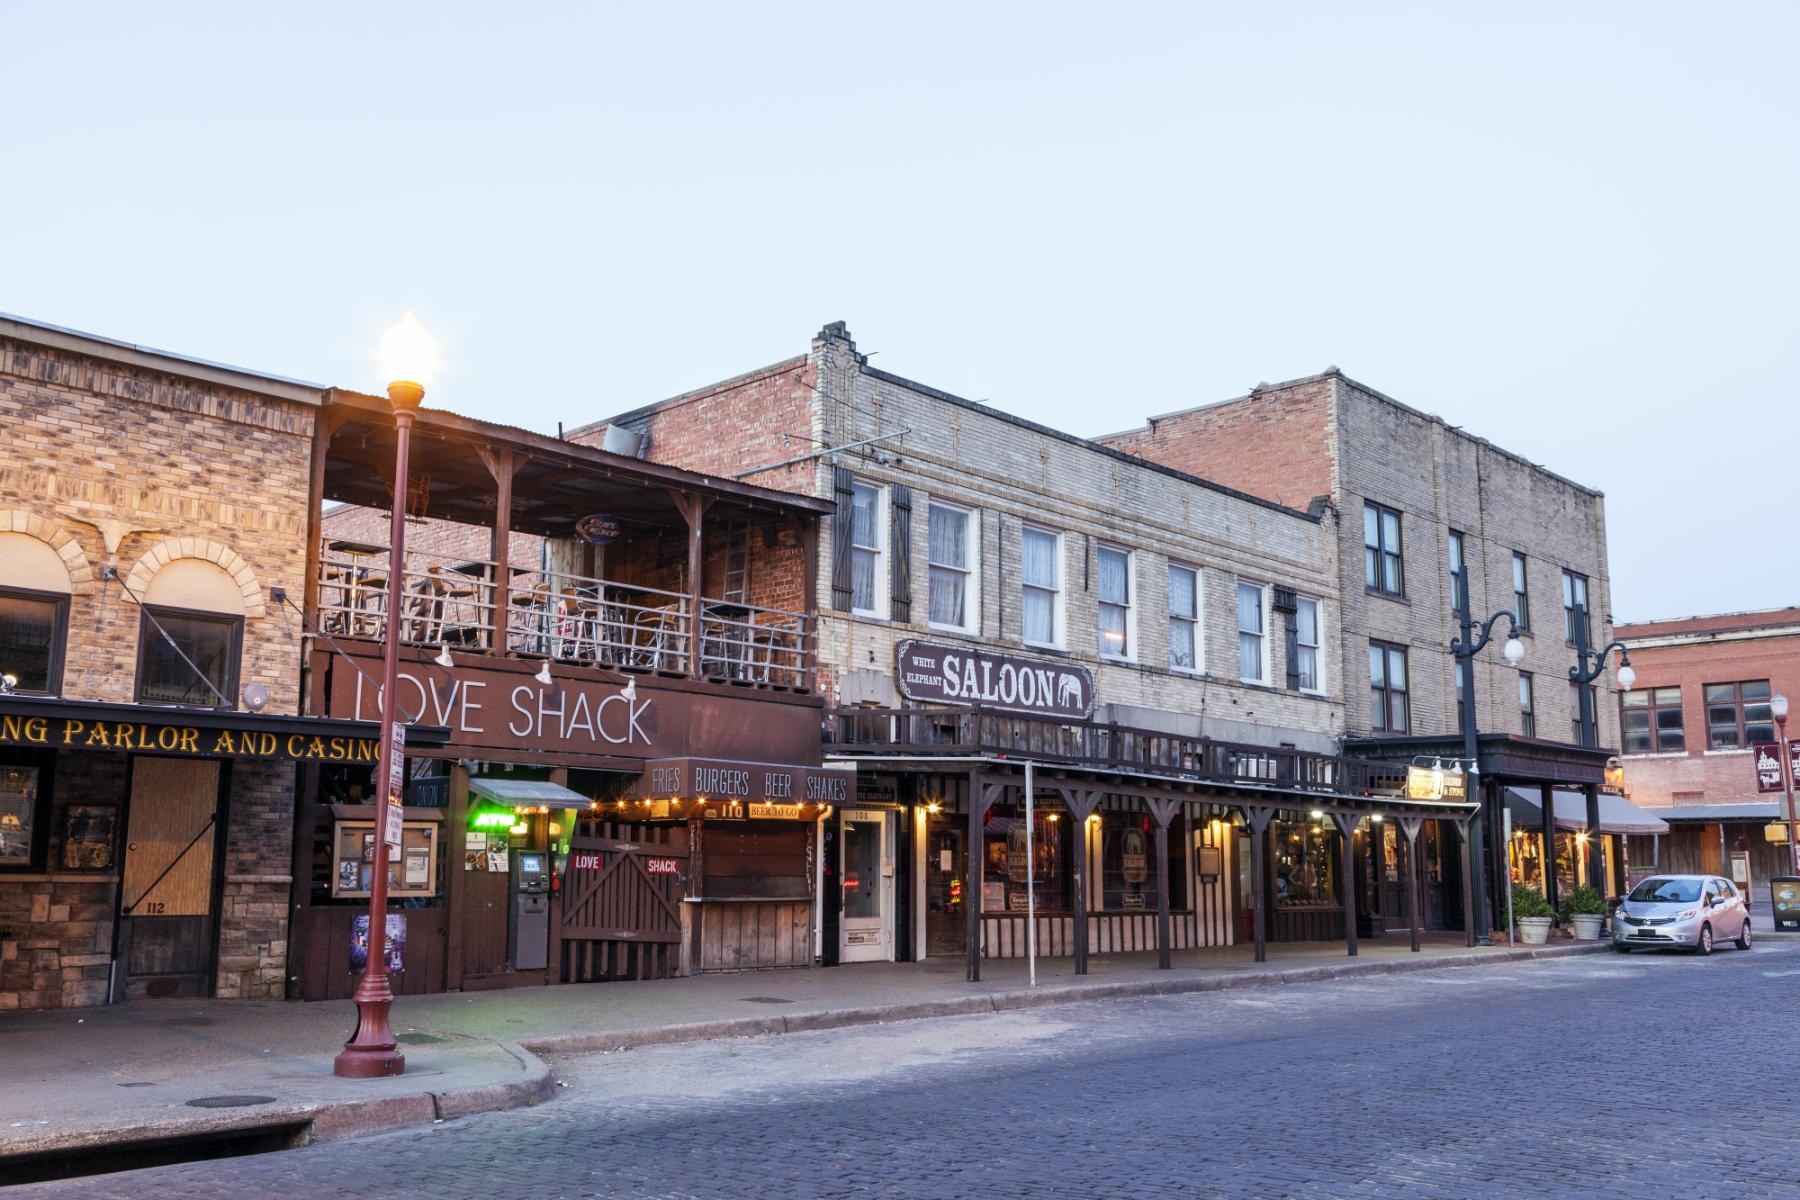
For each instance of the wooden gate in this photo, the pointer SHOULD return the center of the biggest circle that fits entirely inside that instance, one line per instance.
(621, 902)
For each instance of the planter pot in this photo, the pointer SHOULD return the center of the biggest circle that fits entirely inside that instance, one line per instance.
(1534, 931)
(1587, 925)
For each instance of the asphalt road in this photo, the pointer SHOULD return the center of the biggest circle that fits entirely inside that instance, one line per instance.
(1600, 1076)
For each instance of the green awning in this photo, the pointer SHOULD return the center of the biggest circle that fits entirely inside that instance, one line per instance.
(522, 792)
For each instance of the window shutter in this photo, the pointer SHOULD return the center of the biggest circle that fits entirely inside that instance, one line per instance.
(900, 551)
(1288, 605)
(840, 538)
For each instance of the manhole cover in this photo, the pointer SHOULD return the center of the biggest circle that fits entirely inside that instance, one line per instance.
(766, 1000)
(188, 1021)
(419, 1039)
(229, 1101)
(144, 1084)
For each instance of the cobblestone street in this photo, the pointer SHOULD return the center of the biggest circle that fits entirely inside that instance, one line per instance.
(1579, 1076)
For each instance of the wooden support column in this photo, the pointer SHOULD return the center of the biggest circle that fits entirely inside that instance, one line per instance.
(1469, 867)
(693, 511)
(329, 421)
(806, 530)
(1258, 820)
(454, 891)
(1346, 825)
(981, 798)
(1547, 799)
(1081, 803)
(1162, 811)
(501, 465)
(1410, 826)
(300, 910)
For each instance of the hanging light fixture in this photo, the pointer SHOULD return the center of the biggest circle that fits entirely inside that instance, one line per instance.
(443, 658)
(543, 672)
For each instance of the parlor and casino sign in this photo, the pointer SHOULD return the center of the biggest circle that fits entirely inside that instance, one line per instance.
(934, 673)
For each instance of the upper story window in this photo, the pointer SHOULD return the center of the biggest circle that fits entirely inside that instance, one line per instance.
(1575, 592)
(1521, 592)
(1253, 640)
(1651, 720)
(1383, 568)
(865, 549)
(1527, 705)
(34, 627)
(1388, 712)
(1738, 714)
(1575, 729)
(951, 567)
(1184, 618)
(1459, 576)
(1306, 644)
(1041, 586)
(1115, 602)
(190, 650)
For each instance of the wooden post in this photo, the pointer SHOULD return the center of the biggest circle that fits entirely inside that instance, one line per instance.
(500, 465)
(1410, 827)
(809, 602)
(1081, 803)
(1346, 824)
(1258, 820)
(454, 890)
(1378, 913)
(1547, 798)
(693, 510)
(1162, 811)
(306, 810)
(981, 798)
(1468, 882)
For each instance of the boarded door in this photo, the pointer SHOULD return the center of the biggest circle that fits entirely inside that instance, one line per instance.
(166, 898)
(621, 902)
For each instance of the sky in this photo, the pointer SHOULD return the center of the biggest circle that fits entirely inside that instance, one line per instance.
(1568, 228)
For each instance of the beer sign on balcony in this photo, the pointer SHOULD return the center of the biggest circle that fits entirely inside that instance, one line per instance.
(940, 674)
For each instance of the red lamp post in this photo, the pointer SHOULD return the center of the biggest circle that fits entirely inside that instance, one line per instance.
(372, 1051)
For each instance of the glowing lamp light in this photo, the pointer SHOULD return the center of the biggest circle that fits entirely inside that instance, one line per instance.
(1778, 706)
(934, 808)
(409, 359)
(1514, 650)
(1627, 676)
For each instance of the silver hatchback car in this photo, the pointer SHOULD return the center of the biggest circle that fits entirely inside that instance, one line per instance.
(1690, 911)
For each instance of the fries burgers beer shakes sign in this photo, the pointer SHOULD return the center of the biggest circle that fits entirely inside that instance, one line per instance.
(934, 673)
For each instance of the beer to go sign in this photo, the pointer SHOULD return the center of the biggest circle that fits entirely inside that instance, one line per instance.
(1766, 756)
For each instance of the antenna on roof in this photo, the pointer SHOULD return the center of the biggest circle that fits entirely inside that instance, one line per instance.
(559, 433)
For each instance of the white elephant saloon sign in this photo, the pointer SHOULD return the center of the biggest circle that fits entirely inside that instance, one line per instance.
(937, 674)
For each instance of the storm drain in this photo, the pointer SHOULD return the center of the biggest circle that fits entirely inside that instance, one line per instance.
(135, 1156)
(766, 1000)
(230, 1101)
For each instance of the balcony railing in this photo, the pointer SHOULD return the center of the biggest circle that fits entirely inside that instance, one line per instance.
(1104, 747)
(567, 618)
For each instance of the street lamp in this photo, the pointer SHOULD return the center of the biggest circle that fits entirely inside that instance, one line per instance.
(407, 354)
(1465, 648)
(1778, 705)
(1589, 666)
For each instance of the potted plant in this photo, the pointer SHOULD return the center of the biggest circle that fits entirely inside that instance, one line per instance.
(1583, 909)
(1532, 913)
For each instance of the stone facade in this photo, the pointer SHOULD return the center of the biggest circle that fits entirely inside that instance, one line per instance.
(133, 461)
(1008, 473)
(1368, 447)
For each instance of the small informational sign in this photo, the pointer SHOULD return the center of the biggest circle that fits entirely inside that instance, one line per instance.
(773, 812)
(993, 895)
(1212, 862)
(496, 860)
(1435, 784)
(418, 866)
(393, 948)
(661, 866)
(1133, 899)
(1134, 858)
(946, 860)
(396, 775)
(476, 841)
(393, 823)
(1766, 758)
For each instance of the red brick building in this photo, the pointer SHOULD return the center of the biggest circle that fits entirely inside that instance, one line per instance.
(1702, 701)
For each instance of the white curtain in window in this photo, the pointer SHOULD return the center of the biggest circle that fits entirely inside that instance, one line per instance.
(1038, 549)
(1040, 558)
(1115, 587)
(1250, 631)
(862, 580)
(948, 555)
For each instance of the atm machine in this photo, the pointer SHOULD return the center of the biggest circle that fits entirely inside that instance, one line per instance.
(528, 916)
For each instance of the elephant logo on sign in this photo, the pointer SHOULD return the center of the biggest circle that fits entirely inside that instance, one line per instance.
(1068, 693)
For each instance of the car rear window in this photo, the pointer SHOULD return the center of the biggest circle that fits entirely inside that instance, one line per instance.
(1667, 891)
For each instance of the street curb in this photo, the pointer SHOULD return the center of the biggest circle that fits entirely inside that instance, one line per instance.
(1020, 999)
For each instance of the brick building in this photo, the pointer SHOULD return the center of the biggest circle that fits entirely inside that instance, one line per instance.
(1194, 627)
(145, 810)
(1423, 513)
(1700, 704)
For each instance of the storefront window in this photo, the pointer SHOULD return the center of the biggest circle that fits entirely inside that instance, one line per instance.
(1305, 864)
(1128, 862)
(1003, 881)
(208, 643)
(18, 815)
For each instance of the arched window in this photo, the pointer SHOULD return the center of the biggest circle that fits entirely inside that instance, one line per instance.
(191, 635)
(34, 613)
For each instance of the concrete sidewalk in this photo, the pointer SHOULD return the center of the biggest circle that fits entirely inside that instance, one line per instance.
(131, 1073)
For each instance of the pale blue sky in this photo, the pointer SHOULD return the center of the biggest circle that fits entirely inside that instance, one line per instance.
(1569, 228)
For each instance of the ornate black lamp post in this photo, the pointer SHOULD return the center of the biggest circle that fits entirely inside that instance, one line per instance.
(1589, 666)
(1465, 648)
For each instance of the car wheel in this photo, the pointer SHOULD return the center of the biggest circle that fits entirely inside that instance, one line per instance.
(1743, 939)
(1704, 945)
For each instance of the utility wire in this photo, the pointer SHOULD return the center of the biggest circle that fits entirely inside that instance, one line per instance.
(342, 653)
(114, 575)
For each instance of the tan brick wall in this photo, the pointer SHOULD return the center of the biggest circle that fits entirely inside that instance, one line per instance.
(178, 468)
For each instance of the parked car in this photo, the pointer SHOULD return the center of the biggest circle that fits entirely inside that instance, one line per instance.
(1690, 911)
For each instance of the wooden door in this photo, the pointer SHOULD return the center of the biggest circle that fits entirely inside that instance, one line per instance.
(485, 895)
(166, 894)
(946, 920)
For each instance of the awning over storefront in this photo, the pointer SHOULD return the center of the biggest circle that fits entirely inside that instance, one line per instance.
(528, 791)
(1617, 814)
(50, 723)
(1754, 810)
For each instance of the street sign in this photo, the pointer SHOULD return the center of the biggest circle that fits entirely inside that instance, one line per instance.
(393, 830)
(1766, 757)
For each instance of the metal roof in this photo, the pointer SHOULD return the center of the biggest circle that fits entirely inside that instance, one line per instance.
(528, 791)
